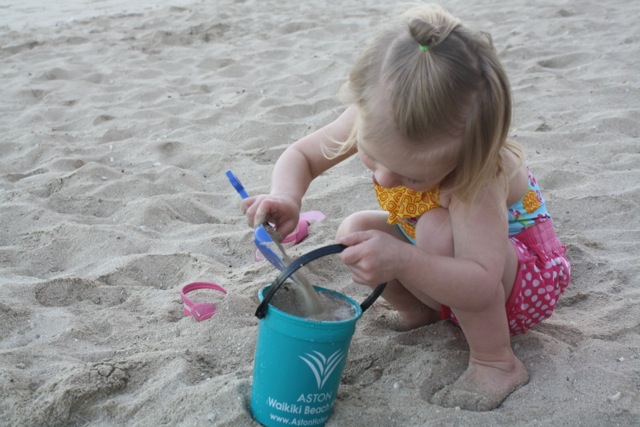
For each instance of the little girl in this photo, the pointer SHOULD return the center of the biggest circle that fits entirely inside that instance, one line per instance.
(464, 233)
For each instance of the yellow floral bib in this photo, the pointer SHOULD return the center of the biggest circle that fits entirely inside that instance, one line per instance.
(405, 206)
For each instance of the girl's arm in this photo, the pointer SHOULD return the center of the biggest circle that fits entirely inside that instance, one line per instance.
(304, 160)
(294, 170)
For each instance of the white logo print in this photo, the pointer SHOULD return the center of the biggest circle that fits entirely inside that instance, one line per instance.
(322, 366)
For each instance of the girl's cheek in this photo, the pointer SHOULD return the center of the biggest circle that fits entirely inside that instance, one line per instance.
(366, 161)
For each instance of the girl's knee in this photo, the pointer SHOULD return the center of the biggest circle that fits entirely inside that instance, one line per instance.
(434, 234)
(363, 220)
(351, 224)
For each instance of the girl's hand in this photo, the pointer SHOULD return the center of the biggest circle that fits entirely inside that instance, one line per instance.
(373, 256)
(281, 211)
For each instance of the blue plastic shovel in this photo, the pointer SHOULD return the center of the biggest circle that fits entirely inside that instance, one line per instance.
(273, 251)
(261, 237)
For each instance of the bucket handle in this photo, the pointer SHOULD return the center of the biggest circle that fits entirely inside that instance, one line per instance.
(299, 263)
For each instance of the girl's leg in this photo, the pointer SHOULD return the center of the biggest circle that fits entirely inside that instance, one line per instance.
(413, 312)
(494, 371)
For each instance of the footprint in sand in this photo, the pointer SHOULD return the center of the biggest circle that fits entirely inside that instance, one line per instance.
(363, 371)
(74, 386)
(66, 291)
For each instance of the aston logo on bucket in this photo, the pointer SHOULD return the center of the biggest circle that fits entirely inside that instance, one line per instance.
(323, 366)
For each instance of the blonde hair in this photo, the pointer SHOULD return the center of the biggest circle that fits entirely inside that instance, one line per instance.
(440, 78)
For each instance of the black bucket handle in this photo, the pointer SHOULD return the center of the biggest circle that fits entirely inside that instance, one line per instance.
(299, 263)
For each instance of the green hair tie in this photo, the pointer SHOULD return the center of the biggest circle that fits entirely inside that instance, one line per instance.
(424, 48)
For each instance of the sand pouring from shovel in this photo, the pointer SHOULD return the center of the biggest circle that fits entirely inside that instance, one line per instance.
(267, 241)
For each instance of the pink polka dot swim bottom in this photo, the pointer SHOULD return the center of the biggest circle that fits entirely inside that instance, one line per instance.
(543, 274)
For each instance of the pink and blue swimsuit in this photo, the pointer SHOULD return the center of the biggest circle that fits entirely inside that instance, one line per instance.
(543, 268)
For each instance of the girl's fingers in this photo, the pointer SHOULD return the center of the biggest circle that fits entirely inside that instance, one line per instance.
(356, 238)
(349, 239)
(351, 255)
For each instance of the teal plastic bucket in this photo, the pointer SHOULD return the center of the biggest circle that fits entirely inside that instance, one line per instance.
(299, 362)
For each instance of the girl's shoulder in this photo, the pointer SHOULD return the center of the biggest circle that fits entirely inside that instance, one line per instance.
(517, 180)
(517, 174)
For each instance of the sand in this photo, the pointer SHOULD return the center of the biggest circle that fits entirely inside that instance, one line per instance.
(118, 120)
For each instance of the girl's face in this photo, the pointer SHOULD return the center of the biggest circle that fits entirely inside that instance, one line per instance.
(395, 160)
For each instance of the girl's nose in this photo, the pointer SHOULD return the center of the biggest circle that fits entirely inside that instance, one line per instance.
(386, 179)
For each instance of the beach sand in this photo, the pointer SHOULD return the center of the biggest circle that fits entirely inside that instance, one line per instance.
(117, 124)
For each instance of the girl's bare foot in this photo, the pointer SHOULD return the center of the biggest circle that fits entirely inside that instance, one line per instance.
(482, 387)
(417, 318)
(405, 321)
